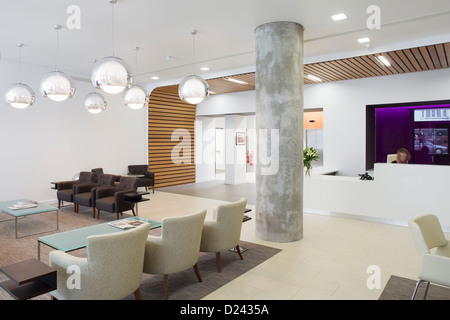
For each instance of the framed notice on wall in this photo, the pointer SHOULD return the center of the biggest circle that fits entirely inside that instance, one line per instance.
(240, 138)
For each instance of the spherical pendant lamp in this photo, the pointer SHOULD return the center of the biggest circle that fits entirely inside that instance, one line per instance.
(135, 97)
(111, 74)
(95, 102)
(57, 86)
(193, 89)
(19, 95)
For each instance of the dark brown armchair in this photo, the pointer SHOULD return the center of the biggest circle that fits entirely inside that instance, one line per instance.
(99, 171)
(84, 194)
(111, 199)
(148, 179)
(65, 188)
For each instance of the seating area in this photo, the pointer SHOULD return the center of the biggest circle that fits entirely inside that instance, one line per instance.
(90, 189)
(114, 264)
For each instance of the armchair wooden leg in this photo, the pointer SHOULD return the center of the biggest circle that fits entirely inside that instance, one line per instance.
(93, 212)
(134, 214)
(238, 249)
(98, 213)
(166, 286)
(117, 216)
(153, 188)
(59, 204)
(219, 269)
(137, 294)
(197, 273)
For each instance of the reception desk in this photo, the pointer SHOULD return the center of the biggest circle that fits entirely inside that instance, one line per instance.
(397, 194)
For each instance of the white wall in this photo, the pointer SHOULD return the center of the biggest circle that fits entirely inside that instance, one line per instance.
(344, 104)
(52, 141)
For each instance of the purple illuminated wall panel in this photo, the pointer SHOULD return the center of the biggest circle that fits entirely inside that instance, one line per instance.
(394, 128)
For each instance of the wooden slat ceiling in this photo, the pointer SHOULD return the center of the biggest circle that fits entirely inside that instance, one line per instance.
(424, 58)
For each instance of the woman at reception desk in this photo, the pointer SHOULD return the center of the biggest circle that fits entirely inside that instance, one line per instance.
(403, 156)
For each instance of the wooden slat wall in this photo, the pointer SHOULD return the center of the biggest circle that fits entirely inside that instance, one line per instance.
(166, 113)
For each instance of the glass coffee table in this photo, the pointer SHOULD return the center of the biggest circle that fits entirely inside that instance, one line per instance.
(76, 239)
(7, 207)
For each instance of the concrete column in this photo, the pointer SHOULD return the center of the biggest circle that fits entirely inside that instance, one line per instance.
(279, 128)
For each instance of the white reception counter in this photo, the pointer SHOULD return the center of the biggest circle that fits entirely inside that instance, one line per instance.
(397, 194)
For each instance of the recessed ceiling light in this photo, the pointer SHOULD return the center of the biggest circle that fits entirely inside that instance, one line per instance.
(236, 81)
(155, 78)
(384, 61)
(364, 40)
(313, 78)
(339, 16)
(204, 68)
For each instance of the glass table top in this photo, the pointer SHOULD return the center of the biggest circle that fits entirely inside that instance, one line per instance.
(41, 207)
(77, 238)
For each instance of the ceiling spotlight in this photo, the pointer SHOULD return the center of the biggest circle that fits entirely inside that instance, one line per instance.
(339, 16)
(313, 78)
(384, 61)
(236, 81)
(204, 68)
(364, 40)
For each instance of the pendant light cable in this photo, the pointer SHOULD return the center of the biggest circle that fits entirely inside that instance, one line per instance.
(113, 2)
(57, 27)
(20, 45)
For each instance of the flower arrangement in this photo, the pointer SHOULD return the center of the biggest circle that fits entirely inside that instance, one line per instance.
(309, 155)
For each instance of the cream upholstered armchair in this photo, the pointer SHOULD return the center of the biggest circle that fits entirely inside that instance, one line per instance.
(434, 248)
(224, 232)
(177, 249)
(112, 269)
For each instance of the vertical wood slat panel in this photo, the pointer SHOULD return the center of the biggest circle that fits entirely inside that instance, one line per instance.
(167, 113)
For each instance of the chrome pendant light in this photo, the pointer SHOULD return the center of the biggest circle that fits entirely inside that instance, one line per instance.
(193, 89)
(57, 85)
(95, 102)
(111, 74)
(136, 96)
(19, 95)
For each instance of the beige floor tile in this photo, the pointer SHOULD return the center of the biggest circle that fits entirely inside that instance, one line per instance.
(330, 262)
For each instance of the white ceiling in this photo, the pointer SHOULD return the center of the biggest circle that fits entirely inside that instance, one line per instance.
(225, 38)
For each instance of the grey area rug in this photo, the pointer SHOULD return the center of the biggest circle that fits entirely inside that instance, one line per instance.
(182, 286)
(398, 288)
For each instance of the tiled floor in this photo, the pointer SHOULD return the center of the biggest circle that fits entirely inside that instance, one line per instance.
(330, 262)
